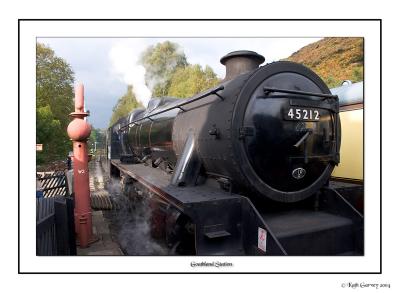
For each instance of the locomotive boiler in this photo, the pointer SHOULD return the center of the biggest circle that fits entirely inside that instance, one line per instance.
(266, 136)
(272, 129)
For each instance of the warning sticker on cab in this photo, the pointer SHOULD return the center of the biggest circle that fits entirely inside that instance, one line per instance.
(262, 239)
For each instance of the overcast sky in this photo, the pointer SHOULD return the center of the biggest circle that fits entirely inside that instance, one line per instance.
(107, 65)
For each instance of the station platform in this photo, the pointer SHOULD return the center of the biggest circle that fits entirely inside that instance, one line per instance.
(105, 245)
(100, 202)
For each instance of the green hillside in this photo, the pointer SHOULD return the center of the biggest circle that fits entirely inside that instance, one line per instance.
(333, 59)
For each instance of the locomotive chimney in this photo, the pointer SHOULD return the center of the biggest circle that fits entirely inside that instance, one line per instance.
(239, 62)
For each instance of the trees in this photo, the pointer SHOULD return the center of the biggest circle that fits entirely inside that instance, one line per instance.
(50, 133)
(169, 74)
(124, 105)
(54, 101)
(190, 80)
(160, 61)
(54, 83)
(96, 140)
(334, 59)
(92, 139)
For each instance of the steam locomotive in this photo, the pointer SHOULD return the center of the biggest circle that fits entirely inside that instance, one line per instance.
(244, 167)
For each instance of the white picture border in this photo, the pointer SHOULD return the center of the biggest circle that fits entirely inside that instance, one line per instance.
(369, 30)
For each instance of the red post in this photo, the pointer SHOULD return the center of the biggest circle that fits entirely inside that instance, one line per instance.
(79, 131)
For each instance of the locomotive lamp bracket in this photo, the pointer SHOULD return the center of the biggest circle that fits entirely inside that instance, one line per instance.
(225, 183)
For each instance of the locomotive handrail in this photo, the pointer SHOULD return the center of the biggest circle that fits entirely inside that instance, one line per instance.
(336, 159)
(268, 90)
(180, 105)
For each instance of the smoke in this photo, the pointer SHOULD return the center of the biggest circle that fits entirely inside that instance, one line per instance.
(159, 73)
(124, 59)
(132, 221)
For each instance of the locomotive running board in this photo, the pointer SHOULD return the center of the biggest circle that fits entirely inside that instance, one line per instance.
(225, 224)
(229, 224)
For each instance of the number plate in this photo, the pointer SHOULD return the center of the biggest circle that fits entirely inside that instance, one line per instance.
(301, 114)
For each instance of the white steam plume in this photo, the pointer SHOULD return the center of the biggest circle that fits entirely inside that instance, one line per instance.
(124, 60)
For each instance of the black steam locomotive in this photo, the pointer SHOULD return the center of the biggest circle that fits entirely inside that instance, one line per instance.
(244, 167)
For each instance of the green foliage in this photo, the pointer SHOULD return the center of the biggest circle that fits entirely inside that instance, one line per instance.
(54, 101)
(54, 83)
(169, 74)
(101, 138)
(49, 132)
(160, 62)
(190, 80)
(92, 139)
(357, 74)
(96, 140)
(125, 105)
(334, 59)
